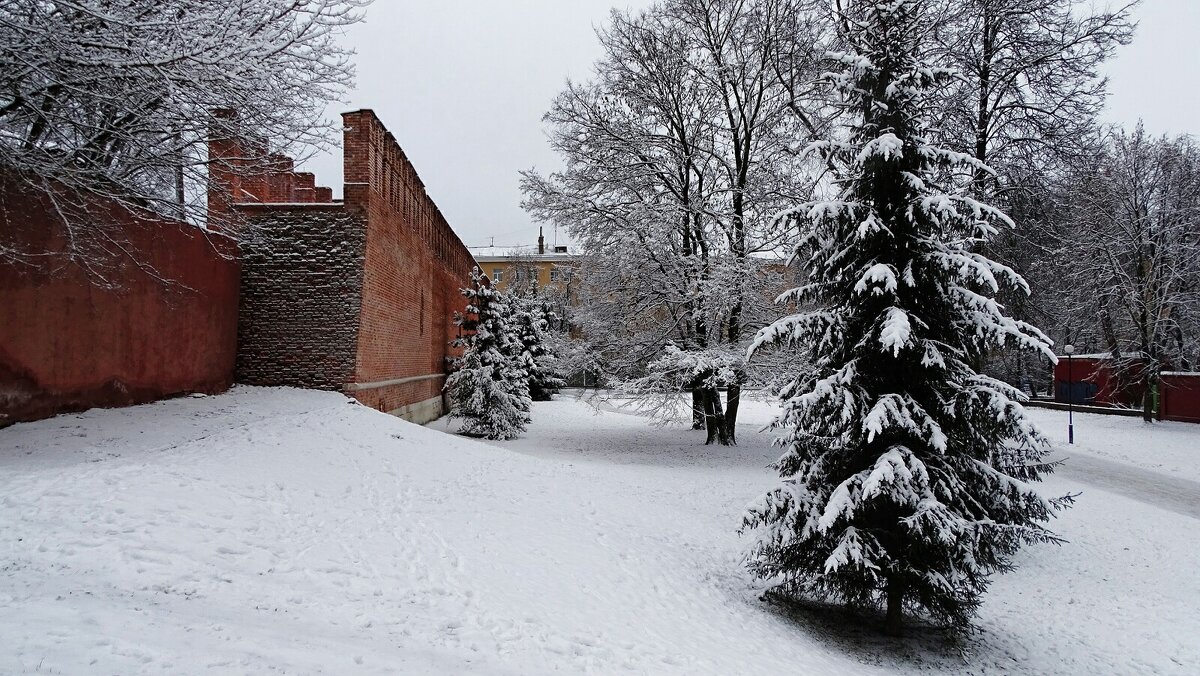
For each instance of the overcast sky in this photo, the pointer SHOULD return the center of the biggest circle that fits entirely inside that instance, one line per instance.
(463, 85)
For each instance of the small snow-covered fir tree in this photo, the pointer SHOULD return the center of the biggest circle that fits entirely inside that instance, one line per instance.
(531, 319)
(489, 388)
(906, 473)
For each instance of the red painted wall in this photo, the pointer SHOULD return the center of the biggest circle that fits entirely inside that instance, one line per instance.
(1179, 397)
(71, 340)
(1103, 388)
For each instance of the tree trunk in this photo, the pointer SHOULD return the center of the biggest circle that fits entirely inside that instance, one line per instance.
(731, 412)
(697, 409)
(983, 113)
(710, 417)
(714, 418)
(893, 624)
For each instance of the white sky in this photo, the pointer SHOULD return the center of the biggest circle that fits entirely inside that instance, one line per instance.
(1156, 77)
(463, 85)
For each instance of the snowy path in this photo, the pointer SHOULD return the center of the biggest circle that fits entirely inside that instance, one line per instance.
(291, 531)
(1181, 496)
(1157, 463)
(1170, 449)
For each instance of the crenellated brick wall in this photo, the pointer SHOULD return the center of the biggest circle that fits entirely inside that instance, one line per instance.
(355, 295)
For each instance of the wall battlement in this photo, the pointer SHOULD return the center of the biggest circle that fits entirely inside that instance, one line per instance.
(376, 168)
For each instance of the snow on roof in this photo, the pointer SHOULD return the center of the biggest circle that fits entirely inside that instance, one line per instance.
(1100, 355)
(502, 251)
(497, 253)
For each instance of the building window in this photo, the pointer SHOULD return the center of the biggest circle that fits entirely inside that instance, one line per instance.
(497, 275)
(558, 274)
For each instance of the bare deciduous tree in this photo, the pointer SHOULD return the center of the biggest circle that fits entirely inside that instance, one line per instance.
(1135, 251)
(677, 155)
(1029, 85)
(115, 98)
(1027, 91)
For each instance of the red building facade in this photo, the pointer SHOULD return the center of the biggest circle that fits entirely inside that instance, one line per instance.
(1179, 397)
(1090, 379)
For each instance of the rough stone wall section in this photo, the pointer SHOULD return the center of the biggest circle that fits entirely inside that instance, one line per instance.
(301, 295)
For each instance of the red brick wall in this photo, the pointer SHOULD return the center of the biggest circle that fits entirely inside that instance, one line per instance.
(415, 265)
(113, 333)
(1179, 397)
(354, 296)
(371, 284)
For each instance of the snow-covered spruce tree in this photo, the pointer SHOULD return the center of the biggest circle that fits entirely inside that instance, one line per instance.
(531, 320)
(489, 388)
(906, 473)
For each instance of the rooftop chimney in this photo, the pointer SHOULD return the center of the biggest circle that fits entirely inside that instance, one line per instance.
(541, 242)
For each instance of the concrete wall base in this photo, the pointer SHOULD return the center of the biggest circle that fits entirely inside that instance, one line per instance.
(421, 412)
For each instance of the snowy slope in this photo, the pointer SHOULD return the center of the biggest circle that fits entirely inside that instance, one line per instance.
(291, 531)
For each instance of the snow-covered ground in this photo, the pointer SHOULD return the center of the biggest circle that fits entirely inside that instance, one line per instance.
(1171, 448)
(1156, 463)
(293, 531)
